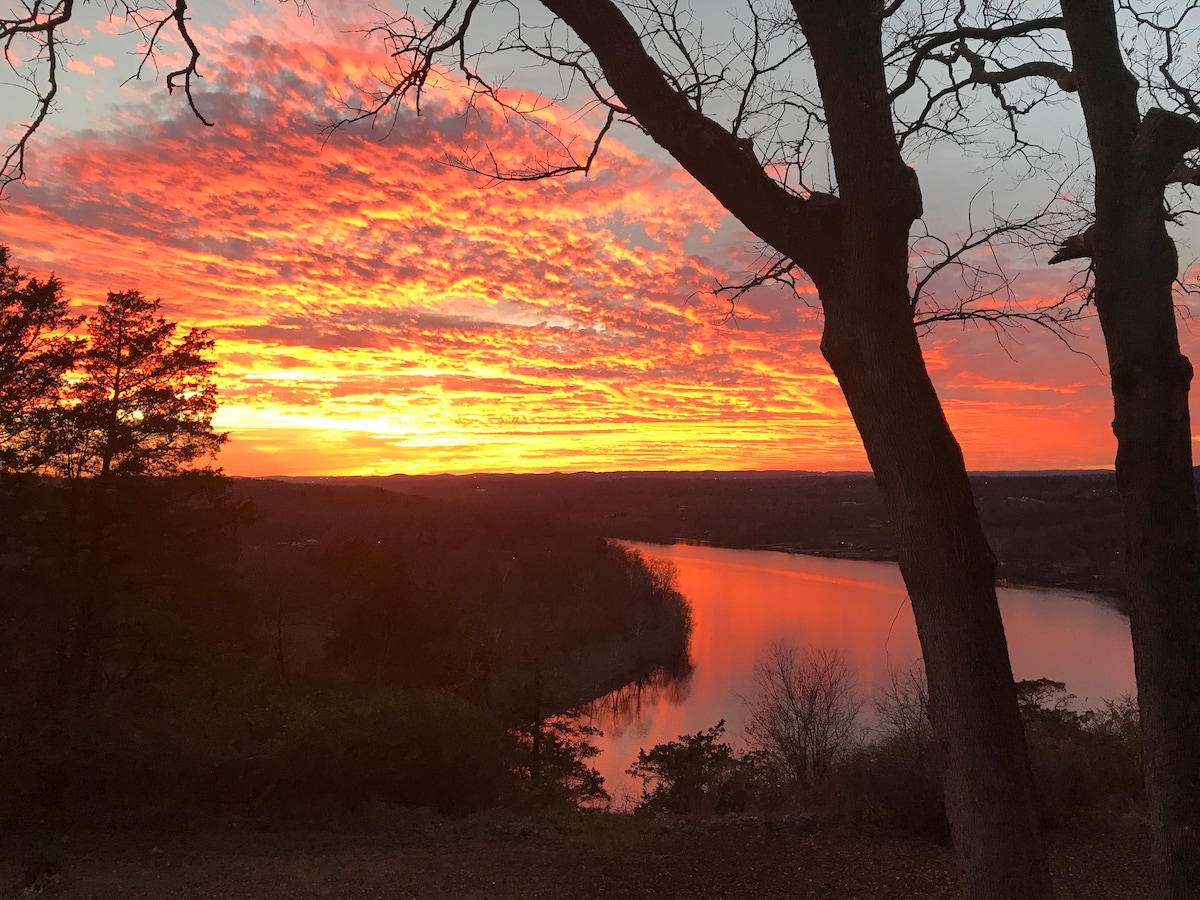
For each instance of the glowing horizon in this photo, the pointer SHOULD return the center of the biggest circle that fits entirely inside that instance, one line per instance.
(378, 310)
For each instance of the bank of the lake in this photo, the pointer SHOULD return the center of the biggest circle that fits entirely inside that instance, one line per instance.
(1052, 529)
(744, 600)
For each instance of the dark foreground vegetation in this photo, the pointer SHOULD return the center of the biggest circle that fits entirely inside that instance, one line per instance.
(295, 650)
(183, 655)
(294, 667)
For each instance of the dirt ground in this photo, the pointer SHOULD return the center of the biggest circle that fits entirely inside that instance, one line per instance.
(598, 857)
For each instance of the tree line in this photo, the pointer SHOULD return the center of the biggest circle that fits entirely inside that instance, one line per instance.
(139, 400)
(171, 639)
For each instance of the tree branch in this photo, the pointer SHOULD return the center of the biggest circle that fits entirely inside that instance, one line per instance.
(713, 155)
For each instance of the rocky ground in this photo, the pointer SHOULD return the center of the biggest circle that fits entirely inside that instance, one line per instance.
(577, 857)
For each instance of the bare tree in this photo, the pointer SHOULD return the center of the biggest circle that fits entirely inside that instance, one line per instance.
(743, 117)
(1134, 264)
(1131, 269)
(804, 714)
(902, 706)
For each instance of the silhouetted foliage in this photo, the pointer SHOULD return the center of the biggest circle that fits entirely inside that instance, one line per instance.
(381, 619)
(367, 648)
(552, 757)
(701, 773)
(145, 403)
(1085, 763)
(36, 351)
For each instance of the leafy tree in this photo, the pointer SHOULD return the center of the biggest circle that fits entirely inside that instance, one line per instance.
(145, 403)
(36, 351)
(697, 773)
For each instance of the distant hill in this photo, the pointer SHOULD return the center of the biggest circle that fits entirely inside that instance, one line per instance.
(1056, 529)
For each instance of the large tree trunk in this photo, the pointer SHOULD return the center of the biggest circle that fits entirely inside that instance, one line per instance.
(855, 247)
(1135, 266)
(948, 567)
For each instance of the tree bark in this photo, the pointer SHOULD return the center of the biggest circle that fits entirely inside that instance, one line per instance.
(1135, 265)
(855, 248)
(948, 567)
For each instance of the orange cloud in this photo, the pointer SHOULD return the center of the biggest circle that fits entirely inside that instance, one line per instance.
(378, 308)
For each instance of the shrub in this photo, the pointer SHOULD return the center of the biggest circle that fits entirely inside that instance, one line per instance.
(1084, 763)
(896, 777)
(701, 773)
(551, 759)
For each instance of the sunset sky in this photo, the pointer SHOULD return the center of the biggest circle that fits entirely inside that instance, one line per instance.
(379, 310)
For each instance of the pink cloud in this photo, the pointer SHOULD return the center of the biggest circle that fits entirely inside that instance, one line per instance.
(378, 308)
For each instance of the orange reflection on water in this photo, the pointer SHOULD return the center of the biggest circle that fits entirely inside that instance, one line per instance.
(743, 600)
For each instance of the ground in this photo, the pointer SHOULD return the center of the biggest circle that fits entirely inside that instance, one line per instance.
(578, 858)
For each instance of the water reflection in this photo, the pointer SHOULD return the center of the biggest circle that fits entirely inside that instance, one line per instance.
(628, 707)
(744, 600)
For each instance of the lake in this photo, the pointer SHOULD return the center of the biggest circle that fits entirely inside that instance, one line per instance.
(743, 600)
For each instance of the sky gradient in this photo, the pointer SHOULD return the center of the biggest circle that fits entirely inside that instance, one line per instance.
(378, 309)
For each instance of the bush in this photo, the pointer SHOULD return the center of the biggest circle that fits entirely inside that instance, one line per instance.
(701, 774)
(896, 777)
(551, 759)
(1085, 764)
(144, 759)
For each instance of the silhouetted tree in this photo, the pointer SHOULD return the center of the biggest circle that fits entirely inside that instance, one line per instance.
(36, 351)
(804, 713)
(145, 403)
(1135, 265)
(854, 245)
(143, 407)
(694, 773)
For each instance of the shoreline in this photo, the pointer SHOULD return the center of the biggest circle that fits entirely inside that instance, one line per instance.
(1107, 596)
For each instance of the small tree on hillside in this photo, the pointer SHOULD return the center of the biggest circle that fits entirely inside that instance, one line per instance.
(805, 714)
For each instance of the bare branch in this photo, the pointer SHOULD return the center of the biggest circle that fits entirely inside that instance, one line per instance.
(928, 47)
(495, 172)
(189, 70)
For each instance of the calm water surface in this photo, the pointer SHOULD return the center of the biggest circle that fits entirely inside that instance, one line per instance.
(743, 600)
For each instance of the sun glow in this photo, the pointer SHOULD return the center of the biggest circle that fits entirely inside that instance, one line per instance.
(378, 310)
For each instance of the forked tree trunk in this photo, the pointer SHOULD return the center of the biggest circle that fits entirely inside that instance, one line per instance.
(1135, 266)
